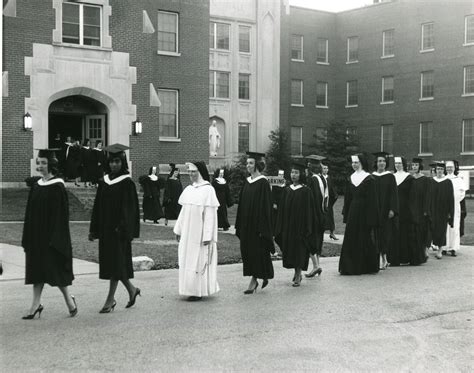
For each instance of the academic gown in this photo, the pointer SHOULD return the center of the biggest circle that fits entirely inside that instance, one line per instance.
(463, 217)
(115, 222)
(223, 196)
(197, 222)
(88, 164)
(151, 198)
(317, 185)
(277, 192)
(294, 230)
(73, 162)
(173, 190)
(253, 226)
(46, 237)
(387, 195)
(97, 167)
(359, 254)
(333, 195)
(419, 212)
(453, 234)
(441, 209)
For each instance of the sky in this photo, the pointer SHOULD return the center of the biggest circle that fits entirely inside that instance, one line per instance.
(331, 5)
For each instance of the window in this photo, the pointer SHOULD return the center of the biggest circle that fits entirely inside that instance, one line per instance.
(167, 32)
(244, 86)
(321, 135)
(322, 94)
(469, 29)
(297, 47)
(168, 117)
(218, 84)
(243, 137)
(388, 43)
(469, 80)
(297, 93)
(296, 140)
(427, 85)
(386, 138)
(387, 89)
(353, 49)
(244, 39)
(427, 36)
(468, 135)
(351, 96)
(81, 24)
(219, 35)
(426, 136)
(322, 51)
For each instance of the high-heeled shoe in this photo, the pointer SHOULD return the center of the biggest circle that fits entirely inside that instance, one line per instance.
(314, 272)
(251, 291)
(32, 315)
(264, 283)
(108, 309)
(332, 236)
(131, 302)
(74, 311)
(297, 281)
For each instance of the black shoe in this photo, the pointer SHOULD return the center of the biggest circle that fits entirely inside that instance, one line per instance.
(131, 302)
(193, 298)
(297, 281)
(314, 272)
(453, 252)
(265, 283)
(251, 291)
(32, 315)
(108, 309)
(74, 311)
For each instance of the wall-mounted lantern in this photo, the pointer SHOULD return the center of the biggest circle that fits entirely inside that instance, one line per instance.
(137, 127)
(27, 122)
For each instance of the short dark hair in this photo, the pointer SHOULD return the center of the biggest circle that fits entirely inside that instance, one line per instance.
(123, 158)
(302, 178)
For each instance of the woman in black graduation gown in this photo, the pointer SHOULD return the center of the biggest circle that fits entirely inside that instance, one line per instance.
(329, 224)
(73, 162)
(115, 222)
(253, 224)
(46, 237)
(419, 211)
(99, 162)
(173, 190)
(295, 224)
(359, 253)
(151, 196)
(88, 163)
(223, 195)
(387, 195)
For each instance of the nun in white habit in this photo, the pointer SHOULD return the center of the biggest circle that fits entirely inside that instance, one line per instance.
(196, 231)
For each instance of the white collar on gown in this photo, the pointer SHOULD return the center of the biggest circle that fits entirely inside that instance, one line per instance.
(116, 180)
(380, 173)
(358, 177)
(99, 150)
(86, 147)
(50, 181)
(440, 180)
(296, 187)
(153, 177)
(400, 176)
(221, 180)
(250, 180)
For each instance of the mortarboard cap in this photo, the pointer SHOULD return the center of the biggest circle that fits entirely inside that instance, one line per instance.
(417, 160)
(313, 158)
(47, 153)
(255, 155)
(298, 165)
(116, 148)
(381, 154)
(439, 164)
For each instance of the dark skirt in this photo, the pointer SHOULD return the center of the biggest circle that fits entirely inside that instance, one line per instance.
(115, 257)
(151, 208)
(48, 266)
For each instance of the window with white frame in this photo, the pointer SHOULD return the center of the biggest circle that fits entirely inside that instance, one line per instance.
(468, 80)
(168, 113)
(353, 49)
(427, 36)
(427, 85)
(468, 135)
(168, 32)
(244, 39)
(81, 24)
(469, 29)
(219, 84)
(296, 140)
(244, 87)
(351, 94)
(386, 138)
(322, 94)
(388, 43)
(219, 35)
(387, 89)
(243, 137)
(322, 51)
(297, 47)
(296, 92)
(426, 138)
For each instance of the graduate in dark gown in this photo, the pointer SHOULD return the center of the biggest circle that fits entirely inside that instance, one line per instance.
(295, 223)
(441, 207)
(277, 192)
(429, 238)
(173, 190)
(387, 195)
(115, 222)
(253, 224)
(98, 165)
(46, 237)
(329, 224)
(151, 196)
(58, 143)
(419, 212)
(88, 163)
(359, 254)
(223, 195)
(63, 155)
(73, 162)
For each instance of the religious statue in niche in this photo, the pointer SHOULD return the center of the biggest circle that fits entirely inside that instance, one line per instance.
(214, 139)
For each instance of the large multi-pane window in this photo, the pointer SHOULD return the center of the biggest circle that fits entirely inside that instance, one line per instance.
(427, 85)
(469, 29)
(244, 39)
(243, 137)
(468, 135)
(296, 140)
(244, 86)
(219, 35)
(296, 92)
(322, 51)
(469, 80)
(168, 32)
(351, 93)
(168, 117)
(427, 36)
(218, 84)
(388, 43)
(82, 24)
(322, 94)
(386, 138)
(387, 89)
(297, 47)
(321, 135)
(426, 137)
(353, 49)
